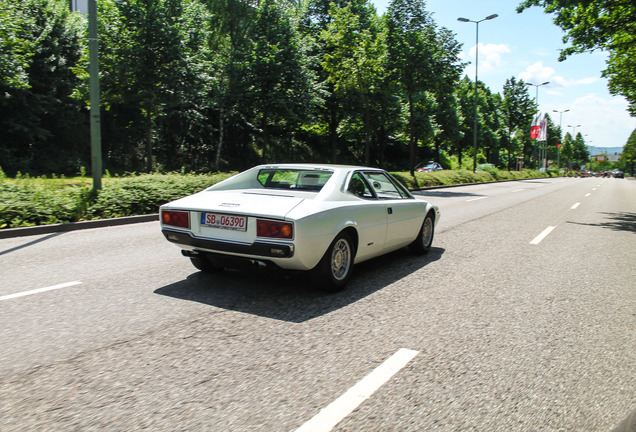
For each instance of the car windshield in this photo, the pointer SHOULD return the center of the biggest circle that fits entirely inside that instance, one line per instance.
(298, 179)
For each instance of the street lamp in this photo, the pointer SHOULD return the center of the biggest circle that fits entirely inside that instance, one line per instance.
(536, 98)
(90, 7)
(574, 130)
(489, 17)
(561, 132)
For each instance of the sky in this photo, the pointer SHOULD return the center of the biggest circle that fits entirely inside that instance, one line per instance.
(527, 47)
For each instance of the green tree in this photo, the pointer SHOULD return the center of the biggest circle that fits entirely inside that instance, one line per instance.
(628, 156)
(184, 129)
(147, 67)
(41, 124)
(579, 150)
(448, 69)
(491, 133)
(336, 106)
(279, 85)
(491, 130)
(15, 48)
(599, 24)
(411, 52)
(517, 111)
(230, 23)
(355, 61)
(567, 150)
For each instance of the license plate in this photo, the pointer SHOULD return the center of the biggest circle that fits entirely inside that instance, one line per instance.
(216, 220)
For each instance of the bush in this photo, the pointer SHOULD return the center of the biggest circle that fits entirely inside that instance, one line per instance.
(32, 203)
(144, 194)
(462, 176)
(36, 201)
(28, 202)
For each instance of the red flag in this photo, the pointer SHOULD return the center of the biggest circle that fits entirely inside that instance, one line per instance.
(535, 129)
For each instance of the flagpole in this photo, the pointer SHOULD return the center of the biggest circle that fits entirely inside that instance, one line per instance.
(536, 101)
(560, 136)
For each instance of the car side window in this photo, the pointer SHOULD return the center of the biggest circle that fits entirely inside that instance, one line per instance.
(358, 187)
(383, 186)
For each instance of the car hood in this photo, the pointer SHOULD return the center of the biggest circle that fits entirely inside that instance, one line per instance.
(248, 202)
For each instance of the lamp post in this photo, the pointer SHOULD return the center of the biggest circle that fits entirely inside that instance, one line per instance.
(489, 17)
(96, 136)
(90, 7)
(536, 100)
(560, 137)
(574, 130)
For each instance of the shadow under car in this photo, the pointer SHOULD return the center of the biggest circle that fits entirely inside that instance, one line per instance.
(291, 296)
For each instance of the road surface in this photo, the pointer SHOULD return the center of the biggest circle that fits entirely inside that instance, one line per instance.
(521, 318)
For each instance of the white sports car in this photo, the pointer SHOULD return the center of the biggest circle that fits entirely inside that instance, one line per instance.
(319, 218)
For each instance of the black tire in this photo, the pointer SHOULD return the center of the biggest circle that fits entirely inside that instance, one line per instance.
(204, 264)
(336, 266)
(422, 244)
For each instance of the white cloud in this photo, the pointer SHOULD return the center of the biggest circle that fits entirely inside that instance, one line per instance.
(490, 56)
(605, 120)
(538, 73)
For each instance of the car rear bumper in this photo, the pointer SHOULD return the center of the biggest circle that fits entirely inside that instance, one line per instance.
(256, 249)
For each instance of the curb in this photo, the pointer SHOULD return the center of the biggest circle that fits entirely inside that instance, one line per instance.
(74, 226)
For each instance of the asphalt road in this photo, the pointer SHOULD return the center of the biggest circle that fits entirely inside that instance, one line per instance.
(521, 318)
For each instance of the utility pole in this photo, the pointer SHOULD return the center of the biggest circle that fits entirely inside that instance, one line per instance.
(95, 116)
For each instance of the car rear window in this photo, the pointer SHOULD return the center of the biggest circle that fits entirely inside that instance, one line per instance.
(297, 179)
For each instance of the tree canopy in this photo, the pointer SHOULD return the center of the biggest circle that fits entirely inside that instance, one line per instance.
(608, 25)
(208, 85)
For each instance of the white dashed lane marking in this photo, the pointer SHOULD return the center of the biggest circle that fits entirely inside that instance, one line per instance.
(336, 411)
(39, 290)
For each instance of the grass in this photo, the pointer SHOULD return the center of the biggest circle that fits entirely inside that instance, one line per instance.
(26, 201)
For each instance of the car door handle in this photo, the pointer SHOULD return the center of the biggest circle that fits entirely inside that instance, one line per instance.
(389, 210)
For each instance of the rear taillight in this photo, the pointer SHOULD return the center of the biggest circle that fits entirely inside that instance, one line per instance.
(179, 219)
(274, 229)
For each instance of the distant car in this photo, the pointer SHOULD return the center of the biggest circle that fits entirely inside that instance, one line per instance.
(618, 174)
(318, 218)
(428, 166)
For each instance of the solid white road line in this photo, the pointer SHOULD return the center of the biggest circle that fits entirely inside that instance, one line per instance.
(476, 199)
(575, 206)
(39, 290)
(543, 235)
(336, 411)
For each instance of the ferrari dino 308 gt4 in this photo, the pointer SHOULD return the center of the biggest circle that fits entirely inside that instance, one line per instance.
(318, 218)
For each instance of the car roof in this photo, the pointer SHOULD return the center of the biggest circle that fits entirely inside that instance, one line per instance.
(334, 167)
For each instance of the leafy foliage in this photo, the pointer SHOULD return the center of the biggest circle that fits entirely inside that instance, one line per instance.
(211, 85)
(40, 122)
(26, 202)
(599, 24)
(35, 201)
